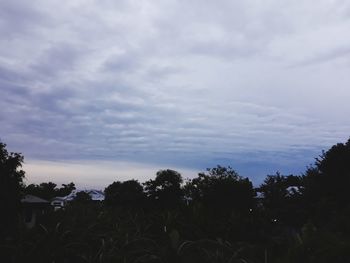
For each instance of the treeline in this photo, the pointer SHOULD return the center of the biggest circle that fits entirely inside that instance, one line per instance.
(49, 190)
(217, 216)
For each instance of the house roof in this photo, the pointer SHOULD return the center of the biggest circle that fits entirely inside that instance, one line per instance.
(58, 198)
(32, 199)
(96, 195)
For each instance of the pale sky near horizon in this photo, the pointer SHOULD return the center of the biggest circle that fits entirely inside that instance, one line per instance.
(98, 91)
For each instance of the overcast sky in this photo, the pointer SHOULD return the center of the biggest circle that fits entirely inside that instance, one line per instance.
(97, 91)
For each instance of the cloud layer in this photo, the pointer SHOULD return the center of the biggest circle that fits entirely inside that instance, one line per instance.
(184, 83)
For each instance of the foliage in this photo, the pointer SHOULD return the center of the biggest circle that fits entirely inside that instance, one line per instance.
(315, 246)
(66, 189)
(221, 189)
(82, 197)
(11, 186)
(49, 190)
(165, 190)
(298, 220)
(281, 195)
(128, 194)
(326, 192)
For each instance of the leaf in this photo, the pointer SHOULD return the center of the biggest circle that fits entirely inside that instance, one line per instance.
(174, 238)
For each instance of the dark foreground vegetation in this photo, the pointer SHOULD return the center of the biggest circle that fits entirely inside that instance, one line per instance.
(215, 217)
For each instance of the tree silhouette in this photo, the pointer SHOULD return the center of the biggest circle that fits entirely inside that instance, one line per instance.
(44, 190)
(49, 190)
(222, 189)
(66, 189)
(282, 198)
(82, 197)
(128, 194)
(11, 186)
(217, 226)
(165, 190)
(327, 183)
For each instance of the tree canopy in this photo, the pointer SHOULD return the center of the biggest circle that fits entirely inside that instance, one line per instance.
(166, 188)
(221, 188)
(282, 195)
(11, 186)
(297, 218)
(81, 197)
(326, 183)
(128, 193)
(49, 190)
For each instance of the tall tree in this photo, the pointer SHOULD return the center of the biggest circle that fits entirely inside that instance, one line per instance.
(165, 190)
(11, 186)
(327, 183)
(66, 189)
(221, 189)
(128, 194)
(282, 196)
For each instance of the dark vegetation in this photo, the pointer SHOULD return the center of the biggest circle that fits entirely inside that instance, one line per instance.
(215, 217)
(49, 190)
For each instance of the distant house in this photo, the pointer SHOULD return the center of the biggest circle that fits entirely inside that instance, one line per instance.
(259, 195)
(59, 202)
(293, 190)
(290, 191)
(33, 208)
(259, 198)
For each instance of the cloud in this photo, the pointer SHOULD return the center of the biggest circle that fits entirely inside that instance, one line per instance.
(177, 83)
(336, 53)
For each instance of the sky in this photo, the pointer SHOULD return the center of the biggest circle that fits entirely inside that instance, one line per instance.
(99, 91)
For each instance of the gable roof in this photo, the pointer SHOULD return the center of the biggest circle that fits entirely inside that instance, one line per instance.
(32, 199)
